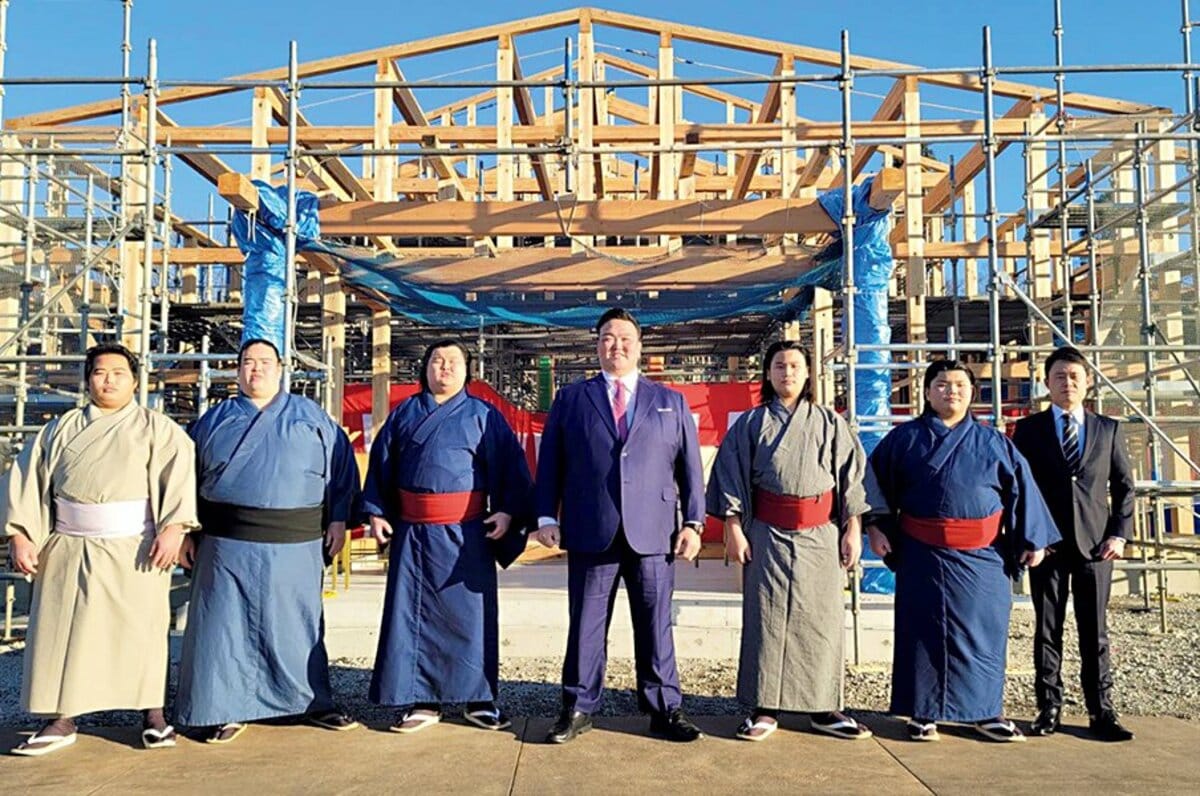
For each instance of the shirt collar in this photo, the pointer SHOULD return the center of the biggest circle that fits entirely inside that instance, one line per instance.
(1077, 414)
(630, 380)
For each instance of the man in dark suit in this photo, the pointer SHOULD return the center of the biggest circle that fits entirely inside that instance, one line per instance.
(1082, 469)
(619, 453)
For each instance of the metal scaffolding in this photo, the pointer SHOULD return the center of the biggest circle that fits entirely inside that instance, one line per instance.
(1103, 254)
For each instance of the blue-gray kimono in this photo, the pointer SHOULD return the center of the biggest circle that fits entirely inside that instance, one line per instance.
(439, 641)
(953, 605)
(270, 482)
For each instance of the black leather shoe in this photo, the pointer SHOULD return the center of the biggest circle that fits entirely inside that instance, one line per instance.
(570, 724)
(1047, 721)
(674, 726)
(1106, 727)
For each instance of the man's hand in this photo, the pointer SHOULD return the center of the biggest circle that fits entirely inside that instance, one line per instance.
(381, 529)
(687, 546)
(23, 553)
(187, 551)
(1112, 549)
(501, 520)
(335, 538)
(548, 535)
(880, 545)
(1031, 558)
(164, 553)
(851, 547)
(737, 546)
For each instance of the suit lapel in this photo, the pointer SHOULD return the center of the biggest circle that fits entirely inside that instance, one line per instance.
(642, 403)
(1049, 426)
(597, 391)
(1091, 427)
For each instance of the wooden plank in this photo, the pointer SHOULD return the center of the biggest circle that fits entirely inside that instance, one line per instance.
(748, 163)
(316, 68)
(833, 58)
(621, 217)
(238, 190)
(889, 110)
(527, 115)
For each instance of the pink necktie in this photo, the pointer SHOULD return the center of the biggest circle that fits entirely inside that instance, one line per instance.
(619, 411)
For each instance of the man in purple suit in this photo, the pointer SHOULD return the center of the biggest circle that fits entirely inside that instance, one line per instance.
(619, 455)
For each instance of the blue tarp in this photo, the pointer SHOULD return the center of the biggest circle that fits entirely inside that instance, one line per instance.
(873, 266)
(260, 236)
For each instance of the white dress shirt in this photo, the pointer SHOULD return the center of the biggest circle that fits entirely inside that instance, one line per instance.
(1076, 420)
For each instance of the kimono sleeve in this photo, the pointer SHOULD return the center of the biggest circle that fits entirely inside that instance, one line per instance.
(173, 477)
(509, 486)
(380, 481)
(849, 470)
(342, 484)
(1026, 515)
(880, 487)
(27, 504)
(729, 488)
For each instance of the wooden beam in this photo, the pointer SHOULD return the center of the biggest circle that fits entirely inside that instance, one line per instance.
(1003, 88)
(619, 217)
(748, 164)
(527, 115)
(316, 68)
(889, 110)
(414, 117)
(238, 190)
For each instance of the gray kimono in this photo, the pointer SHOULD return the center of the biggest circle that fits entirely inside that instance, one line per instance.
(793, 627)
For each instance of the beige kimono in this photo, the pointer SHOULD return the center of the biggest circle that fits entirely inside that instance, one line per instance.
(100, 615)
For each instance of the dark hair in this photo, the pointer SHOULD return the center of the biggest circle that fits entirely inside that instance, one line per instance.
(257, 341)
(101, 349)
(618, 314)
(449, 342)
(944, 366)
(768, 390)
(1069, 354)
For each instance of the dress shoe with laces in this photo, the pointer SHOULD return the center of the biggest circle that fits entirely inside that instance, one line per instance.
(1047, 721)
(674, 726)
(571, 723)
(1106, 727)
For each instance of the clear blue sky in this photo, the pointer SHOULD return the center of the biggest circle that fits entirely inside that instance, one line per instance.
(217, 38)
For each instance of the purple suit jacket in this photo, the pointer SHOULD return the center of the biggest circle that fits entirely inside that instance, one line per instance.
(595, 485)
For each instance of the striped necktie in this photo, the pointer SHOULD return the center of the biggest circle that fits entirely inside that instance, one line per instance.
(618, 406)
(1070, 444)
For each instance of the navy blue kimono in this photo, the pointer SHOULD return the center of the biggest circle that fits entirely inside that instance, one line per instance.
(439, 641)
(254, 646)
(953, 605)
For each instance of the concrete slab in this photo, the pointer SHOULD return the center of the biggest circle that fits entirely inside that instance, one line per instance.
(450, 758)
(1164, 759)
(618, 757)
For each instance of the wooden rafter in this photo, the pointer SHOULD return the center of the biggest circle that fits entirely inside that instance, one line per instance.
(748, 164)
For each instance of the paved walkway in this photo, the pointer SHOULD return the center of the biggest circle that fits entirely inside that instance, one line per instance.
(615, 758)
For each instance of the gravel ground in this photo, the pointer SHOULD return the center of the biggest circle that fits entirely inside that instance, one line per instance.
(1156, 674)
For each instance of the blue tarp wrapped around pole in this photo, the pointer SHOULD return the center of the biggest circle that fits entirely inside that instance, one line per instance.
(260, 236)
(873, 266)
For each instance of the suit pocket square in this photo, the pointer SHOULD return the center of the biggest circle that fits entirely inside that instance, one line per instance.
(664, 409)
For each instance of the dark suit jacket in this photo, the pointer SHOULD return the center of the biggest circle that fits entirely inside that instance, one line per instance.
(1093, 504)
(595, 485)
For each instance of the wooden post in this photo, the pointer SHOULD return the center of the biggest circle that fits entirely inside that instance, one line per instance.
(914, 230)
(504, 123)
(133, 202)
(585, 115)
(381, 367)
(333, 338)
(667, 165)
(823, 343)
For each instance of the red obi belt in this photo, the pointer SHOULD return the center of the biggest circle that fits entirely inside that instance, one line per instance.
(448, 508)
(792, 513)
(952, 533)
